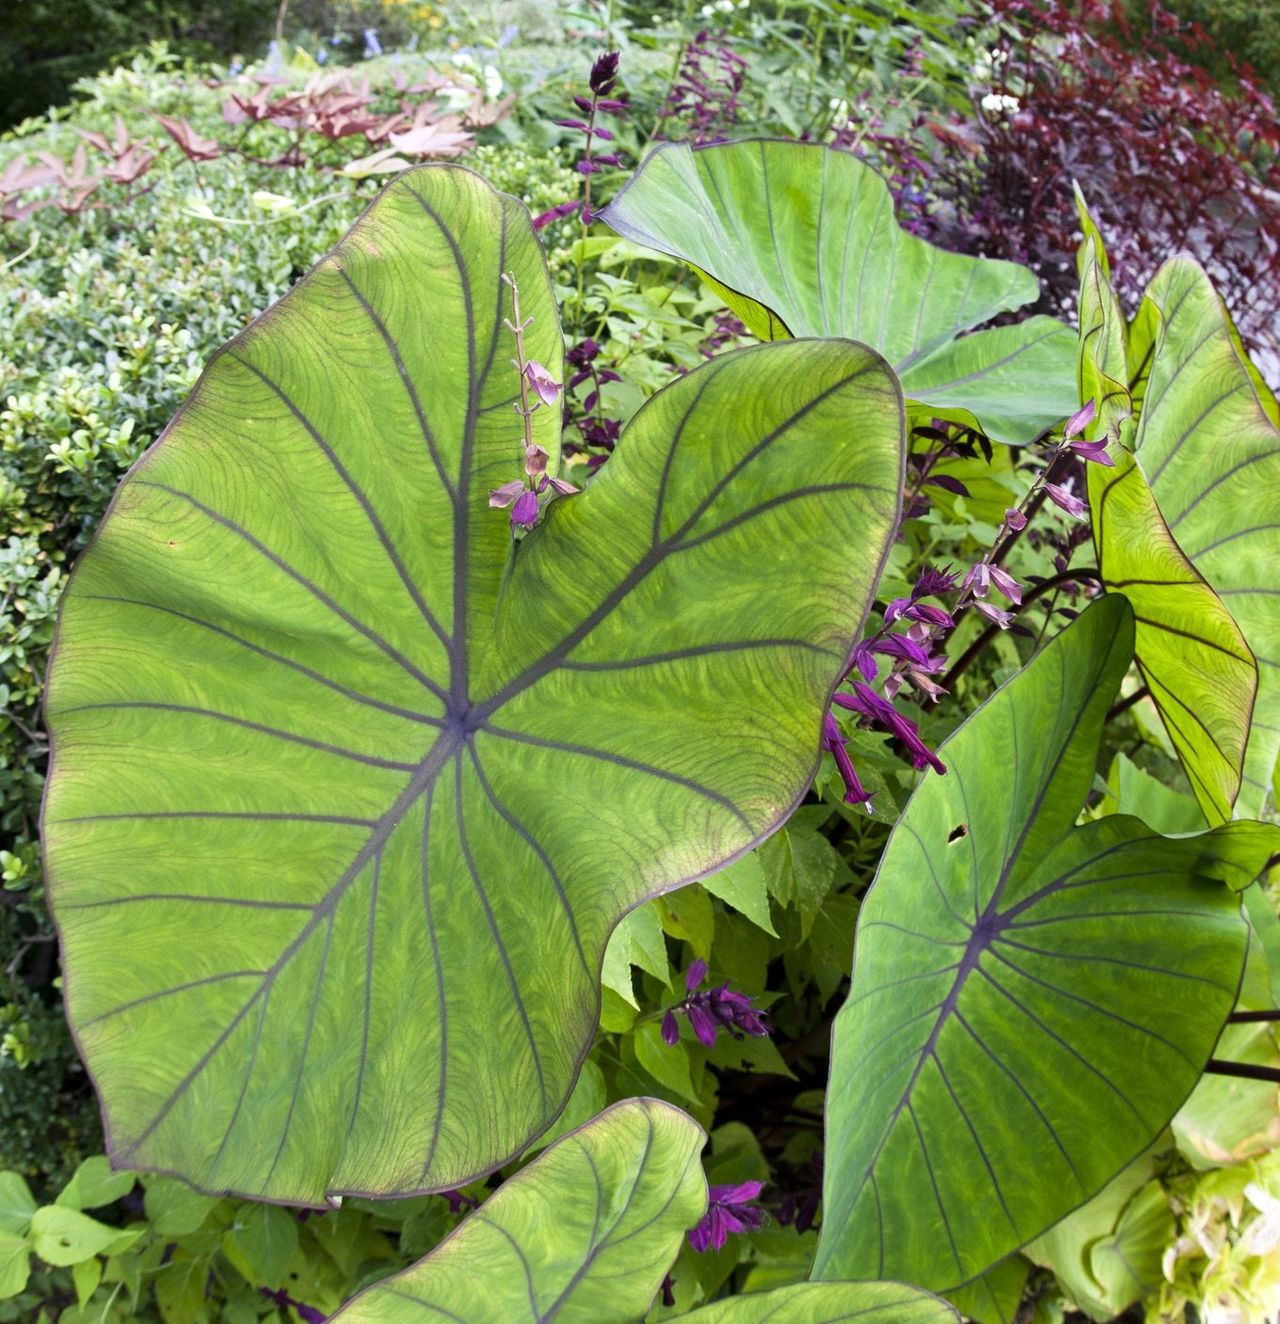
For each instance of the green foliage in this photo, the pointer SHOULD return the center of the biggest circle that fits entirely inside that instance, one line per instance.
(119, 301)
(608, 659)
(799, 239)
(585, 1232)
(1016, 951)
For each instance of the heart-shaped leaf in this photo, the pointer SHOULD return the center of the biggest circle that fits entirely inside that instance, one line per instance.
(1208, 443)
(800, 239)
(829, 1303)
(1029, 996)
(1192, 654)
(585, 1232)
(346, 795)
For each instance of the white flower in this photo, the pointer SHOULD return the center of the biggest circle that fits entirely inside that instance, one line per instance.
(999, 101)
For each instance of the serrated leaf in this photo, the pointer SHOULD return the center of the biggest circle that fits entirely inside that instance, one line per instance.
(267, 1237)
(637, 940)
(94, 1184)
(585, 1232)
(743, 886)
(800, 239)
(1028, 995)
(347, 795)
(17, 1204)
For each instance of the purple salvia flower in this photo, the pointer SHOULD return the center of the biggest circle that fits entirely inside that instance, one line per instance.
(703, 1022)
(993, 613)
(928, 614)
(604, 73)
(1065, 500)
(571, 124)
(501, 497)
(978, 580)
(729, 1209)
(559, 486)
(670, 1030)
(524, 511)
(695, 975)
(1080, 420)
(902, 647)
(869, 704)
(535, 461)
(544, 384)
(933, 580)
(1006, 583)
(1093, 451)
(864, 660)
(308, 1314)
(556, 213)
(1015, 520)
(833, 742)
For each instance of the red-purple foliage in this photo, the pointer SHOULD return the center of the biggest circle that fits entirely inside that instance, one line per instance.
(1169, 160)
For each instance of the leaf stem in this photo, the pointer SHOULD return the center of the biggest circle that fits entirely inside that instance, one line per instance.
(963, 662)
(1244, 1070)
(1128, 701)
(1252, 1017)
(517, 326)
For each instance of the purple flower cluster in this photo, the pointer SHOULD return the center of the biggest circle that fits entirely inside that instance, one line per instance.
(711, 1010)
(599, 434)
(307, 1314)
(706, 90)
(602, 80)
(729, 1209)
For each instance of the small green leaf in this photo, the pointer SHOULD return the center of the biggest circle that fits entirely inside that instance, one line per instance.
(584, 1232)
(174, 1209)
(64, 1237)
(95, 1184)
(690, 916)
(85, 1277)
(668, 1064)
(829, 1303)
(267, 1238)
(743, 886)
(17, 1204)
(636, 941)
(15, 1264)
(800, 864)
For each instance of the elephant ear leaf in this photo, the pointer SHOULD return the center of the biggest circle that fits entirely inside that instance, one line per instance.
(586, 1231)
(346, 795)
(1208, 443)
(800, 239)
(1028, 995)
(829, 1303)
(1192, 654)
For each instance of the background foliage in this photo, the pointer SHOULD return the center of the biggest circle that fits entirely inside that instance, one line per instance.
(107, 315)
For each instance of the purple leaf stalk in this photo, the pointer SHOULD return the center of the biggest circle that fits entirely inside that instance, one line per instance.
(711, 1010)
(521, 495)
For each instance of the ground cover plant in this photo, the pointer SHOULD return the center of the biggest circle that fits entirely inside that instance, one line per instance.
(558, 635)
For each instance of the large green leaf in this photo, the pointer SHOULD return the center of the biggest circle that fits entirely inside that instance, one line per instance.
(585, 1232)
(800, 239)
(1031, 1000)
(828, 1303)
(1208, 441)
(346, 796)
(1192, 655)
